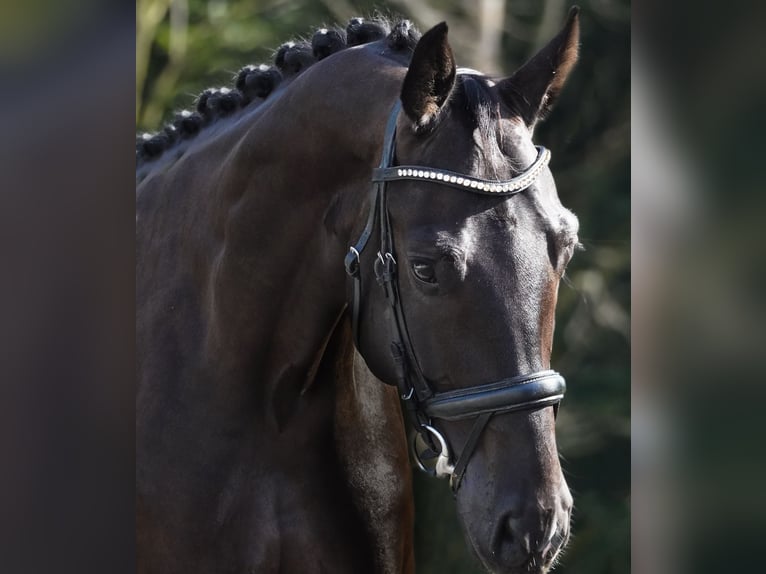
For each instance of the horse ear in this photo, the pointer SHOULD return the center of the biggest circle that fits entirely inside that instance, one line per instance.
(533, 89)
(430, 78)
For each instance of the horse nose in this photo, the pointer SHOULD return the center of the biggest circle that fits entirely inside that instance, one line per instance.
(534, 537)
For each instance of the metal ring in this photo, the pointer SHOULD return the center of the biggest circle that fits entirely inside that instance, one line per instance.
(418, 462)
(416, 456)
(443, 467)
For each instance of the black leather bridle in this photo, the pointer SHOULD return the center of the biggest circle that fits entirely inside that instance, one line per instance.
(421, 402)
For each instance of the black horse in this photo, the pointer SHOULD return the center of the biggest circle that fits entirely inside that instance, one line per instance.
(263, 442)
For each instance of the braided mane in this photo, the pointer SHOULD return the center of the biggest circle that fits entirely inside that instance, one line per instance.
(254, 83)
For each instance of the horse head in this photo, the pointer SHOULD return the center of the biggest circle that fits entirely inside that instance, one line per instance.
(469, 292)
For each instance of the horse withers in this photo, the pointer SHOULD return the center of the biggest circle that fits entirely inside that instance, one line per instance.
(263, 443)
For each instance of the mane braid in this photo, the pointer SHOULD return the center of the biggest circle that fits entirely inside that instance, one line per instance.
(254, 83)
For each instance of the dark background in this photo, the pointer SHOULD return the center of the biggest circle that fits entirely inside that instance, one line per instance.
(184, 46)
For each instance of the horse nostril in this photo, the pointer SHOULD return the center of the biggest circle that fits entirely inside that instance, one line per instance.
(549, 531)
(548, 552)
(515, 540)
(532, 538)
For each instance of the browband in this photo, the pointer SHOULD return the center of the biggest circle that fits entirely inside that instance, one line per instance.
(464, 182)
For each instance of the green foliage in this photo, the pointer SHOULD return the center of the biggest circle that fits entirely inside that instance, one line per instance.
(588, 133)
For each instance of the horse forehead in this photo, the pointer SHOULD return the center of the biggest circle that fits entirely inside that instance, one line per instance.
(480, 230)
(515, 140)
(536, 211)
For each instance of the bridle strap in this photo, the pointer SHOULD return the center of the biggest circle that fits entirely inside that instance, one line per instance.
(470, 445)
(352, 261)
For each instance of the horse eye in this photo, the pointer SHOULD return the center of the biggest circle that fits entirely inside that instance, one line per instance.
(424, 271)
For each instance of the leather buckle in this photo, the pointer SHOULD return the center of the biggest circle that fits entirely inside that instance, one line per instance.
(352, 262)
(385, 268)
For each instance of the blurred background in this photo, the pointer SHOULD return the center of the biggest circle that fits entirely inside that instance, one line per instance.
(184, 46)
(697, 85)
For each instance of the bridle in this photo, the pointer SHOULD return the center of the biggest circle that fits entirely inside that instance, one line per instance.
(421, 402)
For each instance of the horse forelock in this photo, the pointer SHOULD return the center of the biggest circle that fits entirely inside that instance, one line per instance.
(479, 101)
(253, 84)
(479, 104)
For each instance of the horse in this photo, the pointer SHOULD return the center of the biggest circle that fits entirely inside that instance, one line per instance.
(356, 241)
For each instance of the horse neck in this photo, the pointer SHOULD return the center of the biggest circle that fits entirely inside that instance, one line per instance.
(371, 446)
(332, 123)
(294, 188)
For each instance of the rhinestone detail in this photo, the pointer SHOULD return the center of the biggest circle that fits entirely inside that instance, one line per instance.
(517, 184)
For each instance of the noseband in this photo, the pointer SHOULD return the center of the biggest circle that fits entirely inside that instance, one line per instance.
(421, 402)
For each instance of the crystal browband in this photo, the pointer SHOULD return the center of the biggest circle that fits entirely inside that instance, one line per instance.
(464, 182)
